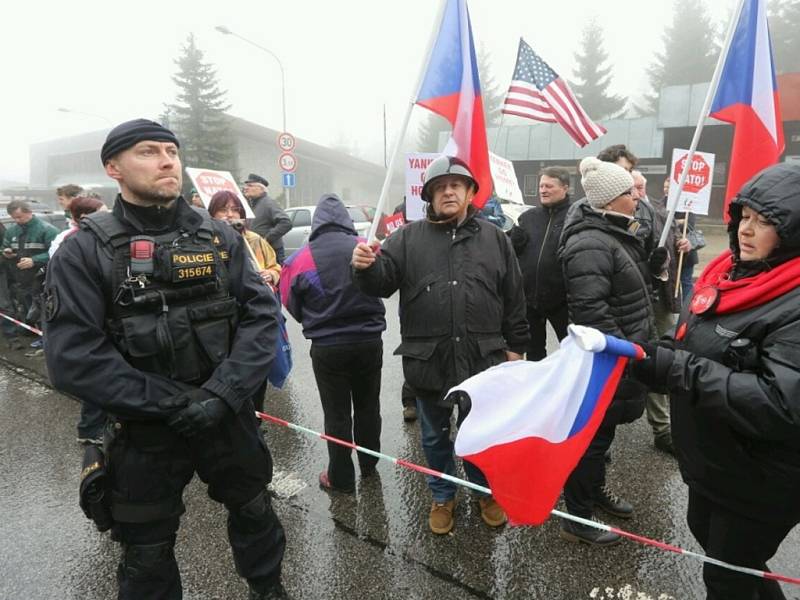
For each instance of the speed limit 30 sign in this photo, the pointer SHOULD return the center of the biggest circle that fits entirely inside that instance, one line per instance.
(286, 142)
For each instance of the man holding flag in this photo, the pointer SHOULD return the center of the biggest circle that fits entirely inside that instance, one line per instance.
(462, 310)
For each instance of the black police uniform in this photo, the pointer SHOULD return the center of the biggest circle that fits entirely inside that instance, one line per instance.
(125, 340)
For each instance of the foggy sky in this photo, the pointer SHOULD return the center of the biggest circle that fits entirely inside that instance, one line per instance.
(344, 59)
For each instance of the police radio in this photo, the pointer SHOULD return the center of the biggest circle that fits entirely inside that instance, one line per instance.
(142, 251)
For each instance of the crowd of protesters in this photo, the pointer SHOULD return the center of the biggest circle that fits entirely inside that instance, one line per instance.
(718, 387)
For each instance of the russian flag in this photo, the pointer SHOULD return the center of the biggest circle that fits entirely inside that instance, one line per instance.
(747, 97)
(452, 89)
(531, 422)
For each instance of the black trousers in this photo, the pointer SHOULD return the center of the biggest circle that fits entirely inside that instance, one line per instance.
(735, 539)
(537, 323)
(589, 475)
(349, 382)
(150, 466)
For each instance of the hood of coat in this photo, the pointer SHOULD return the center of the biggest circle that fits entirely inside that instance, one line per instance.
(774, 193)
(331, 215)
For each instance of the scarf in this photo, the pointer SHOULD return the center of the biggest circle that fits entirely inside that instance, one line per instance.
(715, 290)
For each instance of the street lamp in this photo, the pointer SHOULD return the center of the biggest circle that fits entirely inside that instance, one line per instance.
(225, 31)
(86, 114)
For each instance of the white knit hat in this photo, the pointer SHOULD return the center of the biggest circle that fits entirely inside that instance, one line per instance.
(603, 181)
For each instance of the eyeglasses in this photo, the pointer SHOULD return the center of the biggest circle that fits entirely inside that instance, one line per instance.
(229, 210)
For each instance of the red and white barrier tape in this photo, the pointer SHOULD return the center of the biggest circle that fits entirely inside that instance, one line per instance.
(556, 513)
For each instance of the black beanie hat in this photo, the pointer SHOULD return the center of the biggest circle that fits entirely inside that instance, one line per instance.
(130, 133)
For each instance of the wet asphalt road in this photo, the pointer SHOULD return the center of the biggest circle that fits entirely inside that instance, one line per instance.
(375, 544)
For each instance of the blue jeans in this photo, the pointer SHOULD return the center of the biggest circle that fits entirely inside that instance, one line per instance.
(434, 422)
(687, 282)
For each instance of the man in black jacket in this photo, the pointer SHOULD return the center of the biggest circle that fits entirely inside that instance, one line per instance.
(535, 241)
(155, 314)
(462, 310)
(607, 272)
(270, 221)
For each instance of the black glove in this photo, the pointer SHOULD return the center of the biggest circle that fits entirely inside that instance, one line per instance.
(519, 239)
(652, 371)
(197, 411)
(658, 261)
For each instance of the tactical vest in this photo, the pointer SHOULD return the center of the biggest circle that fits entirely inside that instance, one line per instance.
(173, 314)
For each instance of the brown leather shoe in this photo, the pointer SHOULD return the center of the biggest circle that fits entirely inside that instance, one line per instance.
(440, 518)
(491, 512)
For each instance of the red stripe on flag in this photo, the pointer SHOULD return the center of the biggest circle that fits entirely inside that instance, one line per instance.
(753, 148)
(528, 500)
(590, 126)
(528, 116)
(561, 115)
(567, 103)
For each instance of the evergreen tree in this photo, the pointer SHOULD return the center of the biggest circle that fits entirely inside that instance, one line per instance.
(594, 76)
(492, 95)
(784, 26)
(432, 125)
(198, 114)
(690, 52)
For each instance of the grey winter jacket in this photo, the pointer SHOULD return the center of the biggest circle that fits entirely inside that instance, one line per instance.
(270, 221)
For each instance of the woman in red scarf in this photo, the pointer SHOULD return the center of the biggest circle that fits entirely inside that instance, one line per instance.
(733, 375)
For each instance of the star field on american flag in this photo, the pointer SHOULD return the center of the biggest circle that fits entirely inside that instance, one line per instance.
(538, 93)
(533, 69)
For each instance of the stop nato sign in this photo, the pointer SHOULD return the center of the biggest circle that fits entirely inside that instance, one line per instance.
(209, 183)
(699, 174)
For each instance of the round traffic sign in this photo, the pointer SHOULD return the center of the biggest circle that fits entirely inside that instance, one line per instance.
(699, 174)
(287, 162)
(286, 141)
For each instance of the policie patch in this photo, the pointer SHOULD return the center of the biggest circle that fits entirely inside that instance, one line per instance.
(50, 304)
(188, 266)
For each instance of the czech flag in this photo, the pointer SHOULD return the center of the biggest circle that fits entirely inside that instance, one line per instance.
(747, 97)
(452, 89)
(531, 422)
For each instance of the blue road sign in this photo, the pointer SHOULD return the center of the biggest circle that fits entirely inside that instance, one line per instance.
(288, 179)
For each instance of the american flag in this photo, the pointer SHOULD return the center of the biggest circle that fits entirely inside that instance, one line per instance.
(538, 93)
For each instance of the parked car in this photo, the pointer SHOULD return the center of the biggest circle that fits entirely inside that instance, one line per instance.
(302, 216)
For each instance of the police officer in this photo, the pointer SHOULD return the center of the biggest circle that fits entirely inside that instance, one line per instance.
(154, 313)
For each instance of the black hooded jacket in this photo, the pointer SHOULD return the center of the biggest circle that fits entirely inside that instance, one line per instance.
(537, 250)
(735, 379)
(316, 286)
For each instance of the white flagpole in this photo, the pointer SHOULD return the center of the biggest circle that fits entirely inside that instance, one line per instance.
(399, 141)
(712, 91)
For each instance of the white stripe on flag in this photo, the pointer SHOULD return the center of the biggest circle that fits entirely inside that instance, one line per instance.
(517, 400)
(563, 105)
